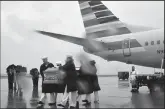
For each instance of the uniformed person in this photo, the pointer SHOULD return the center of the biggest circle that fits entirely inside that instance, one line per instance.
(94, 84)
(71, 78)
(47, 88)
(84, 84)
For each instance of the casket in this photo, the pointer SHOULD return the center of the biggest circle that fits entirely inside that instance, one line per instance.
(53, 76)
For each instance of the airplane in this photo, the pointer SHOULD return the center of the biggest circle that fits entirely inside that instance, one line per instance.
(109, 38)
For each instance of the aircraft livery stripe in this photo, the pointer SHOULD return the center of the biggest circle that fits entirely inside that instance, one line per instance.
(105, 26)
(84, 5)
(93, 15)
(103, 13)
(86, 11)
(108, 19)
(86, 8)
(109, 32)
(119, 45)
(99, 8)
(98, 18)
(118, 52)
(80, 2)
(93, 3)
(89, 23)
(102, 16)
(89, 17)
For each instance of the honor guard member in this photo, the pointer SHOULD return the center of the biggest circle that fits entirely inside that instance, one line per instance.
(46, 88)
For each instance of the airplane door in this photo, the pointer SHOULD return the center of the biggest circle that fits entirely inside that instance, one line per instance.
(126, 48)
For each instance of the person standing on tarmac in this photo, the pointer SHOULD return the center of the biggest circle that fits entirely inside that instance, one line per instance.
(94, 84)
(47, 88)
(133, 78)
(84, 84)
(10, 72)
(35, 76)
(70, 80)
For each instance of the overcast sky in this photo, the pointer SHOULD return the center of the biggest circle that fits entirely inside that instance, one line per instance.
(20, 45)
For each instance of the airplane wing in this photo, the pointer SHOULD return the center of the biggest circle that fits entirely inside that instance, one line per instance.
(87, 43)
(71, 39)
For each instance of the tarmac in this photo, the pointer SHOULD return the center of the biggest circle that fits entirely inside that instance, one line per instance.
(114, 94)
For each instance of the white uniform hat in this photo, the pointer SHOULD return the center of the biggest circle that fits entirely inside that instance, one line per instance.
(69, 56)
(44, 57)
(58, 63)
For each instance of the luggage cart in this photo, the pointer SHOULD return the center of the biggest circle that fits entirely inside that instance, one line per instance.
(123, 75)
(150, 80)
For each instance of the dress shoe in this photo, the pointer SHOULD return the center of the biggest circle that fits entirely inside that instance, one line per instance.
(60, 105)
(71, 107)
(40, 102)
(87, 103)
(84, 100)
(51, 104)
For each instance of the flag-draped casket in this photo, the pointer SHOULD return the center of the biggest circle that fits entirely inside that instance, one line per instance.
(53, 81)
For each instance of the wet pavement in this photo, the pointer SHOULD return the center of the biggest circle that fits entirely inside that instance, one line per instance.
(113, 94)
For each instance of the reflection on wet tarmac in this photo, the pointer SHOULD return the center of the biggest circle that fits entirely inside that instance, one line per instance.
(96, 105)
(113, 94)
(53, 107)
(123, 84)
(35, 97)
(148, 100)
(16, 100)
(88, 106)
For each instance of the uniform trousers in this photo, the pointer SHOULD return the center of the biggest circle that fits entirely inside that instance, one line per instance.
(66, 97)
(53, 97)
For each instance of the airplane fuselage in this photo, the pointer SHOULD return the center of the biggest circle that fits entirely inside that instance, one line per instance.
(142, 48)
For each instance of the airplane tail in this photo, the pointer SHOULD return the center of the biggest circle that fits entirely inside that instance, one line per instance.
(99, 21)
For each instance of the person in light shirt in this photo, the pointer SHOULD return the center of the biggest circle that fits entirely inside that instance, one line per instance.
(133, 75)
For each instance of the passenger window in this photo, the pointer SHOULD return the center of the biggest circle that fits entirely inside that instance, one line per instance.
(152, 42)
(158, 42)
(146, 43)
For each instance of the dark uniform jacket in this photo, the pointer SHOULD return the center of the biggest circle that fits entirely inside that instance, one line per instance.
(43, 67)
(34, 72)
(71, 76)
(10, 74)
